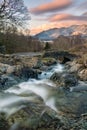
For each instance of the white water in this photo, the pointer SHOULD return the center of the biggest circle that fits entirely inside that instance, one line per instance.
(47, 74)
(10, 103)
(42, 87)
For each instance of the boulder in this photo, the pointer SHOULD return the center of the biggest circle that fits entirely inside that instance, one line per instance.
(64, 80)
(2, 49)
(7, 81)
(25, 72)
(56, 77)
(70, 80)
(32, 114)
(83, 74)
(44, 62)
(6, 69)
(49, 61)
(38, 64)
(11, 75)
(78, 69)
(73, 67)
(3, 122)
(74, 104)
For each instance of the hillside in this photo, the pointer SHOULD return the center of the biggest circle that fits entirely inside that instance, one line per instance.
(65, 31)
(81, 49)
(67, 42)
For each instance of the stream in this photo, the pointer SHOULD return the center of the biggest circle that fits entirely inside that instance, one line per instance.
(11, 100)
(43, 94)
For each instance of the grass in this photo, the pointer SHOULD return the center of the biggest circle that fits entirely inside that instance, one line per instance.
(81, 51)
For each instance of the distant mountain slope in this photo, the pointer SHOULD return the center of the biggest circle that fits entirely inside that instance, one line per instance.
(66, 31)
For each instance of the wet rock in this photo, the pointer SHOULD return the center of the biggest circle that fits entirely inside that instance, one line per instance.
(79, 88)
(11, 75)
(38, 64)
(33, 116)
(43, 63)
(7, 81)
(3, 122)
(21, 69)
(2, 49)
(73, 67)
(36, 116)
(64, 80)
(80, 70)
(70, 104)
(56, 77)
(24, 120)
(18, 59)
(70, 80)
(7, 69)
(26, 72)
(83, 74)
(49, 61)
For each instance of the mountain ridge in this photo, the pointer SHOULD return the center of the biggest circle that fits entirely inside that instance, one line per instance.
(53, 33)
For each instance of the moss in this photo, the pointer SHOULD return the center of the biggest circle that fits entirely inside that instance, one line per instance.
(48, 61)
(3, 122)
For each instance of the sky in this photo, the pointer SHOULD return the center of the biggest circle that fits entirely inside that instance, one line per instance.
(46, 14)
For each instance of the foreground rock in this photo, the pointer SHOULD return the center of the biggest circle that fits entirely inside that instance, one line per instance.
(64, 80)
(79, 69)
(34, 114)
(65, 105)
(8, 81)
(6, 69)
(25, 72)
(12, 75)
(83, 74)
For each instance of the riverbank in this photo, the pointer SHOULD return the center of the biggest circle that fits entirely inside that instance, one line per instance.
(43, 92)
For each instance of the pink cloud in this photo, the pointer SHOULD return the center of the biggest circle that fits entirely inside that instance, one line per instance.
(67, 17)
(51, 25)
(51, 6)
(59, 17)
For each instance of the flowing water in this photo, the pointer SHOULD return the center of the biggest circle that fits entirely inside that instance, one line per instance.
(14, 99)
(42, 96)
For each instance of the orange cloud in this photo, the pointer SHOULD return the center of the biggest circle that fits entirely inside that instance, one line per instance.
(63, 17)
(51, 6)
(59, 17)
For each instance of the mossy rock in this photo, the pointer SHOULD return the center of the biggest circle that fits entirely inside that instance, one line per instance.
(49, 61)
(4, 125)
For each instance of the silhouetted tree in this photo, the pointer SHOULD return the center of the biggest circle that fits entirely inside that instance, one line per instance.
(47, 46)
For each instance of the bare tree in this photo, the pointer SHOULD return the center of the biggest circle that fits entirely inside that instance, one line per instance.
(13, 12)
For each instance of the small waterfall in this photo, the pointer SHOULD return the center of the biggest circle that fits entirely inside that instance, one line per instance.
(50, 71)
(44, 88)
(10, 103)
